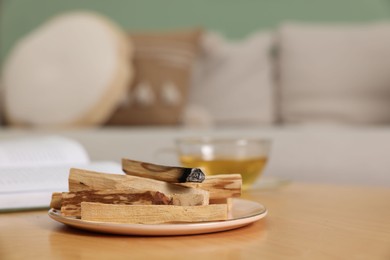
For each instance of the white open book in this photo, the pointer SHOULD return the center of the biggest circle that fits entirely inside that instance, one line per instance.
(31, 169)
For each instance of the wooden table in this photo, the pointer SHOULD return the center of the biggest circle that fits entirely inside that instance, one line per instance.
(305, 221)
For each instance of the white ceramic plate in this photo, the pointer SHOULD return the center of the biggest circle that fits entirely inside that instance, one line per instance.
(243, 213)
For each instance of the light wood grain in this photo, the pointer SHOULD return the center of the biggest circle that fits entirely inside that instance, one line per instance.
(305, 221)
(152, 214)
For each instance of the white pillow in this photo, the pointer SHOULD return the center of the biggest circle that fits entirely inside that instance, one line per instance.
(232, 81)
(73, 70)
(337, 74)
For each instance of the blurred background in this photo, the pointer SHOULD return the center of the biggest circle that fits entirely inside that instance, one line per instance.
(263, 65)
(236, 20)
(236, 37)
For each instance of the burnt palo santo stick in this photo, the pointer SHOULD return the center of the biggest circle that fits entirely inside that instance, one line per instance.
(172, 174)
(80, 179)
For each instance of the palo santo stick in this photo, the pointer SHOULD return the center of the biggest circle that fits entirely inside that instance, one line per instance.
(71, 201)
(151, 214)
(227, 201)
(163, 173)
(80, 180)
(56, 200)
(220, 186)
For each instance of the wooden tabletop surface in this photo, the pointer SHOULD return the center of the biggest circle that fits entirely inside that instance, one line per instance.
(305, 221)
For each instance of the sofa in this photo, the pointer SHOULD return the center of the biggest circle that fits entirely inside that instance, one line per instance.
(313, 80)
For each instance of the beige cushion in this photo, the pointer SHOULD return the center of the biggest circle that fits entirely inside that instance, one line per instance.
(232, 83)
(163, 64)
(335, 74)
(71, 71)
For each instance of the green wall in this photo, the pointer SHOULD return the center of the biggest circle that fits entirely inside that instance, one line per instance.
(235, 18)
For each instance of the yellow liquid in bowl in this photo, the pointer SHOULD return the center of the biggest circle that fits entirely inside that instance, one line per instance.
(249, 168)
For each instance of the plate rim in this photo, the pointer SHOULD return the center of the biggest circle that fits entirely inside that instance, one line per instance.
(163, 229)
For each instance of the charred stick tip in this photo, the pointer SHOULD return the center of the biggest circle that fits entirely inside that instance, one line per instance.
(192, 175)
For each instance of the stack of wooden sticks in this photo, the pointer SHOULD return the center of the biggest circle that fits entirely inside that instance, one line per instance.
(148, 194)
